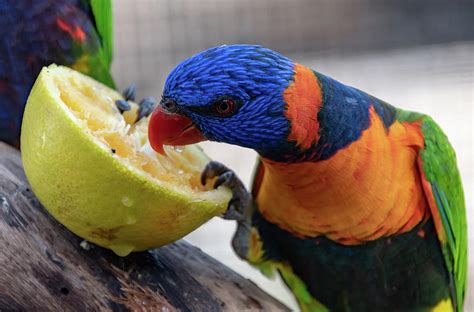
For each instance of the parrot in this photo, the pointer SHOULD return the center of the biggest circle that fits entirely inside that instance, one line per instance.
(356, 204)
(36, 33)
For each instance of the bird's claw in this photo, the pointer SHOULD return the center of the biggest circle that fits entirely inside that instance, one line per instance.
(130, 93)
(145, 106)
(213, 169)
(241, 199)
(240, 207)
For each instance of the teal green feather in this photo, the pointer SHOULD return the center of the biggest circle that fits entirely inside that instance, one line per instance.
(441, 172)
(102, 10)
(100, 62)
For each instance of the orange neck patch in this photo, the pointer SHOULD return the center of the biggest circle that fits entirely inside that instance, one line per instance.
(367, 190)
(304, 99)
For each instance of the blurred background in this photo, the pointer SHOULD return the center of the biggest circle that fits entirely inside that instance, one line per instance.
(417, 55)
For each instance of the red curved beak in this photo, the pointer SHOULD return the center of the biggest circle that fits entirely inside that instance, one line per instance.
(171, 129)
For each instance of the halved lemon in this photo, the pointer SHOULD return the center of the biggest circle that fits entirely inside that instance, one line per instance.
(93, 169)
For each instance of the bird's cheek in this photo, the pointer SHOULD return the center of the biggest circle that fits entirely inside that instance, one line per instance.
(171, 129)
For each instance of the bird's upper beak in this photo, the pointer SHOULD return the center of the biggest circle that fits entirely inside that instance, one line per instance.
(167, 128)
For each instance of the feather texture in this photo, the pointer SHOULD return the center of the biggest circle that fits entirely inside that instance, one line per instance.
(443, 189)
(37, 33)
(359, 204)
(358, 194)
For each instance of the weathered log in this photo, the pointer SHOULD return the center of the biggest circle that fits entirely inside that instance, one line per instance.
(43, 267)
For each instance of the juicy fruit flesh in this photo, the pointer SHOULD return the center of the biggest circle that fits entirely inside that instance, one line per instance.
(94, 107)
(93, 170)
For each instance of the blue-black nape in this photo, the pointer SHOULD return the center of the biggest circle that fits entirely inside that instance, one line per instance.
(344, 116)
(255, 75)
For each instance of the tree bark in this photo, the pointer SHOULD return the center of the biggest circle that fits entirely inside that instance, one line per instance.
(44, 268)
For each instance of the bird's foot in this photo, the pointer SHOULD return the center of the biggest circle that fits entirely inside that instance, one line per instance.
(145, 106)
(240, 207)
(241, 199)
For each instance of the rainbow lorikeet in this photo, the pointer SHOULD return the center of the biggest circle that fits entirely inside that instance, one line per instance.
(357, 204)
(36, 33)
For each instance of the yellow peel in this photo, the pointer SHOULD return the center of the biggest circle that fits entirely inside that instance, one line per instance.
(94, 171)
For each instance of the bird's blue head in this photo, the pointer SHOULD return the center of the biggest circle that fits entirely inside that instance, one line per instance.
(235, 94)
(253, 97)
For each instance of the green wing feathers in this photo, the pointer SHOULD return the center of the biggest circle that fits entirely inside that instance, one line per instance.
(102, 11)
(443, 188)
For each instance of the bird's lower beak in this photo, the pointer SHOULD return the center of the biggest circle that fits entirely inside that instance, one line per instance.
(171, 129)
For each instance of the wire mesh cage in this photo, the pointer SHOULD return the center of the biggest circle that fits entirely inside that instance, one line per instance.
(152, 36)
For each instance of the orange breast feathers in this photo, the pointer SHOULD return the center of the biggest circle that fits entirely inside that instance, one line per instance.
(365, 191)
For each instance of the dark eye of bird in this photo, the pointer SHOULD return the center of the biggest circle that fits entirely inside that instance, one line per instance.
(169, 105)
(225, 107)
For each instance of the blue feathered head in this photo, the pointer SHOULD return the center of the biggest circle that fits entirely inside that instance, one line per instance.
(231, 94)
(253, 97)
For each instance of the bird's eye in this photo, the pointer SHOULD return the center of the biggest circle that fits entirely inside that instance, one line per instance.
(225, 107)
(169, 105)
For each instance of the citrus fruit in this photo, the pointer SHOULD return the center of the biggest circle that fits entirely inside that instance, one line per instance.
(93, 169)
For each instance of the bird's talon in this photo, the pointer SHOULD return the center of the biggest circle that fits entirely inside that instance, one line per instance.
(227, 179)
(213, 169)
(129, 93)
(234, 211)
(122, 105)
(232, 214)
(145, 107)
(241, 199)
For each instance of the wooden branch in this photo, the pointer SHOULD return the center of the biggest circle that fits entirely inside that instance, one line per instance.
(43, 266)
